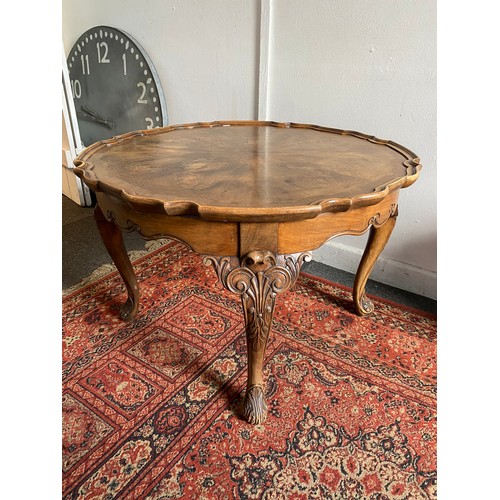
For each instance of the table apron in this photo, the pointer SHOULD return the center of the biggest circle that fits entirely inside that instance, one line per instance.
(310, 234)
(206, 237)
(239, 238)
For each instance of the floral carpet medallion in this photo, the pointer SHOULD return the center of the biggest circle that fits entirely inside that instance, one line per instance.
(151, 407)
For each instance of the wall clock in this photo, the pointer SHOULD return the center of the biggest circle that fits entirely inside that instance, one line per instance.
(114, 85)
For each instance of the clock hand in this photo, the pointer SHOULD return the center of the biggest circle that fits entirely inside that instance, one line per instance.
(106, 123)
(91, 115)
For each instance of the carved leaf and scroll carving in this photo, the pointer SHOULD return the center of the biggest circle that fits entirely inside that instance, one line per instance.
(129, 227)
(258, 277)
(377, 219)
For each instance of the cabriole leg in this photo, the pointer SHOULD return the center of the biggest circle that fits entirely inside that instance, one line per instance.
(257, 277)
(378, 238)
(112, 238)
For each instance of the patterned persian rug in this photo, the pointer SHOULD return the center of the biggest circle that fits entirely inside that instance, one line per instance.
(151, 407)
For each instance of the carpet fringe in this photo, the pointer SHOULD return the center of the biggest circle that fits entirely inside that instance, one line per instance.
(106, 269)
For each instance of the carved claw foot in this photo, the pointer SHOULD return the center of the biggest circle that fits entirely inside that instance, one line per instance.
(254, 409)
(128, 310)
(363, 305)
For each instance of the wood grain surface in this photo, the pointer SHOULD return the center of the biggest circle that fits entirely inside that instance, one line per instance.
(247, 171)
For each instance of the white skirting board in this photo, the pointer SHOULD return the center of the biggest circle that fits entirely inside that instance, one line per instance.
(390, 272)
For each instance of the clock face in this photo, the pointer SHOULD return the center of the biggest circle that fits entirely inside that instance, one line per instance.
(114, 85)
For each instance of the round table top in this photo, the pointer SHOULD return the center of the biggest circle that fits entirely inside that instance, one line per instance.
(248, 170)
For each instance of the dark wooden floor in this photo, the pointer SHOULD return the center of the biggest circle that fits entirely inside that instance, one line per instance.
(83, 252)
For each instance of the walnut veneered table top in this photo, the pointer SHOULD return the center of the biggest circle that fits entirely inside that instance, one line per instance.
(247, 171)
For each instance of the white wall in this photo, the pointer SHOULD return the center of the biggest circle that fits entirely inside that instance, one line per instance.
(355, 64)
(369, 66)
(205, 52)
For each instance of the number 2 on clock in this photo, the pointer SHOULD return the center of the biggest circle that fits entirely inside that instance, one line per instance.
(141, 99)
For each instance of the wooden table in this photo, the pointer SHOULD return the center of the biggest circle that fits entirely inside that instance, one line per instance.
(254, 198)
